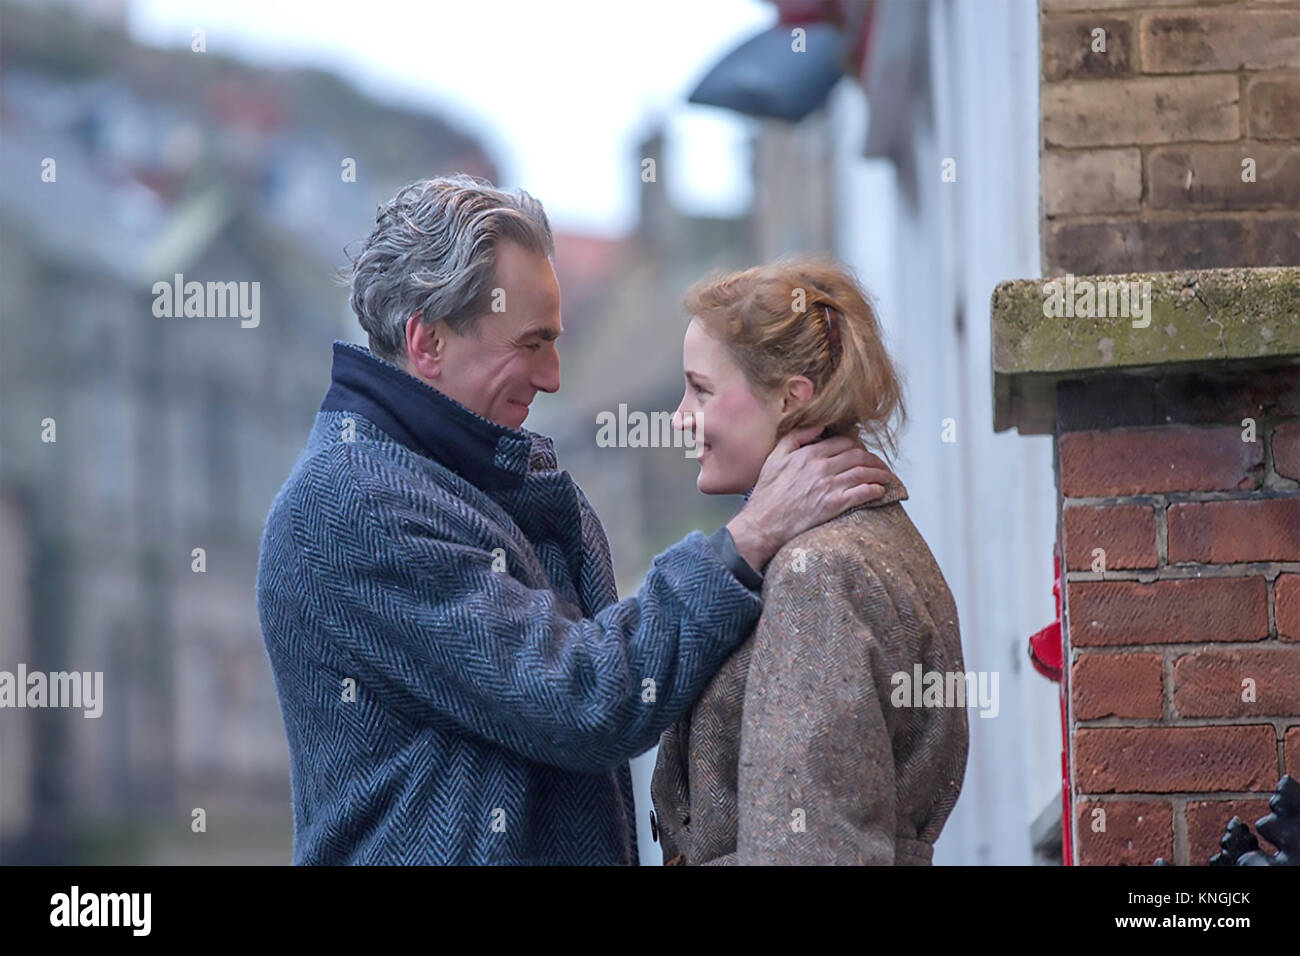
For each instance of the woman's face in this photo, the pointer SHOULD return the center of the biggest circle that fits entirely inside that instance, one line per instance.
(734, 429)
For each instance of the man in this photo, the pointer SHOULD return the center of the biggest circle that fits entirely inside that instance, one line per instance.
(459, 681)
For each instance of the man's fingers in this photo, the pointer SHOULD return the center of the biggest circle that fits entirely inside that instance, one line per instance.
(876, 472)
(861, 495)
(875, 461)
(832, 447)
(875, 476)
(863, 476)
(792, 441)
(852, 457)
(802, 436)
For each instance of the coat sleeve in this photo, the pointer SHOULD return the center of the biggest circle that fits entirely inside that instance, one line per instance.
(418, 612)
(816, 776)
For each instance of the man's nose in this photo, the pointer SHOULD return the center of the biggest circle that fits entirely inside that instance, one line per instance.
(546, 378)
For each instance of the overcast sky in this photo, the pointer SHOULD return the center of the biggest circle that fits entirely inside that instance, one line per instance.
(560, 91)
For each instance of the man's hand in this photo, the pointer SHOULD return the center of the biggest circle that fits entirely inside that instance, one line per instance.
(801, 486)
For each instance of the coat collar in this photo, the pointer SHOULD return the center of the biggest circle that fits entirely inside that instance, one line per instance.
(488, 455)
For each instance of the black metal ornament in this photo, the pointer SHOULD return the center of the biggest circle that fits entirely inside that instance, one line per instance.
(1238, 845)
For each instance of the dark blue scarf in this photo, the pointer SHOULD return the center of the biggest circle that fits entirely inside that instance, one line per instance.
(487, 455)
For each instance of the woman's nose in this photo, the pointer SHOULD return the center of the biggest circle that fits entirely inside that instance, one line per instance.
(682, 419)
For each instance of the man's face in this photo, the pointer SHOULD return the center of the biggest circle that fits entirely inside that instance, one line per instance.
(498, 369)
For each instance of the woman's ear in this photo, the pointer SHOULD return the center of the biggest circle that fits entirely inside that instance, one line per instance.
(798, 390)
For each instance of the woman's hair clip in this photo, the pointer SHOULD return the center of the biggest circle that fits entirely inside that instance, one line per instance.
(832, 331)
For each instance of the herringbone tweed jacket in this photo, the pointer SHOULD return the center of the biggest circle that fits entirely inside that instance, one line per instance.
(795, 753)
(458, 680)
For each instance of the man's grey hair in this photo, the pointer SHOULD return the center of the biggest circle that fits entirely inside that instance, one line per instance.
(433, 250)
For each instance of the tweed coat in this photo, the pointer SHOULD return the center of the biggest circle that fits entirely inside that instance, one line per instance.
(795, 753)
(458, 679)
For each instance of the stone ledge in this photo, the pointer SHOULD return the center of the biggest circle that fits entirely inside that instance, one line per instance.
(1195, 320)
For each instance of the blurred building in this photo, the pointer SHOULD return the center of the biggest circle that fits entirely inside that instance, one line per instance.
(171, 434)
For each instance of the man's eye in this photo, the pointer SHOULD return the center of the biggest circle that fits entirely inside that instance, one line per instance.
(533, 347)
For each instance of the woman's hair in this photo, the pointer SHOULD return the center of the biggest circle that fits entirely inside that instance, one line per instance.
(807, 316)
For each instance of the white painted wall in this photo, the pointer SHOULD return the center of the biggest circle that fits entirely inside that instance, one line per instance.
(985, 503)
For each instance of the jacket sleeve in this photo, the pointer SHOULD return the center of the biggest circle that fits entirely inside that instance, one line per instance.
(816, 776)
(424, 620)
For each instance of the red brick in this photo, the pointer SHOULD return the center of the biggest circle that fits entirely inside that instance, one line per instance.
(1291, 751)
(1135, 834)
(1272, 392)
(1229, 532)
(1110, 613)
(1207, 819)
(1286, 606)
(1126, 533)
(1221, 40)
(1208, 683)
(1156, 460)
(1105, 401)
(1116, 685)
(1175, 759)
(1286, 450)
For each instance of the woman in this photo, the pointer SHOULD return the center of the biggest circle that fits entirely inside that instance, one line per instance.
(796, 752)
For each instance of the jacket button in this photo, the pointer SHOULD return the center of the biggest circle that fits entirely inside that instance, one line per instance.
(654, 828)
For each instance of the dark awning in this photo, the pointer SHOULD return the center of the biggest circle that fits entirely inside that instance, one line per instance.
(764, 76)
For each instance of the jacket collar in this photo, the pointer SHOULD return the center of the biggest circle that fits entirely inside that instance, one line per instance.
(487, 455)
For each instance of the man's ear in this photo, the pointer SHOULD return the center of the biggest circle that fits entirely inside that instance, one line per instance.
(798, 390)
(426, 345)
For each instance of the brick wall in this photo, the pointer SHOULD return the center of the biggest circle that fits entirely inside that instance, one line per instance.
(1181, 544)
(1177, 432)
(1143, 143)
